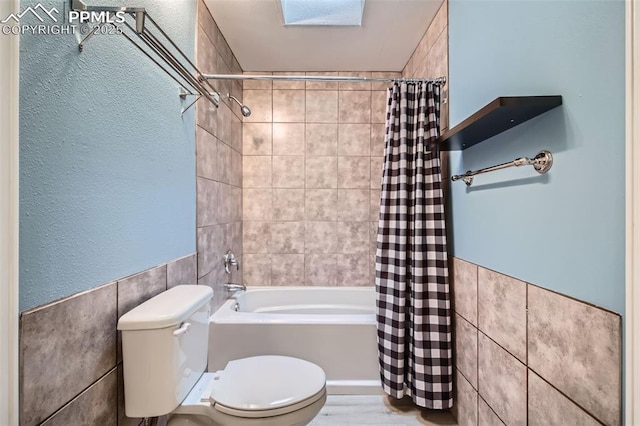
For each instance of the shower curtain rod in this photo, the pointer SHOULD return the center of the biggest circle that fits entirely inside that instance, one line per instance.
(325, 78)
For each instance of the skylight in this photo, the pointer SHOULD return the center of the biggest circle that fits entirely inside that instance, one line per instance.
(323, 12)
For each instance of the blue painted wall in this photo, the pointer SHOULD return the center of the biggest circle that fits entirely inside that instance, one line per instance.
(107, 165)
(564, 230)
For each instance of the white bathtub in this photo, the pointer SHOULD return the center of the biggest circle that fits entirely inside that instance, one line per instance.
(334, 327)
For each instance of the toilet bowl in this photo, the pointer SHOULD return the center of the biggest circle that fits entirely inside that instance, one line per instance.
(164, 345)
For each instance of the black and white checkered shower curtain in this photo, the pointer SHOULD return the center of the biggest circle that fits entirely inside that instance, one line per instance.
(413, 305)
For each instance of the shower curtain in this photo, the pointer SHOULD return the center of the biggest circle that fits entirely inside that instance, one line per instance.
(412, 288)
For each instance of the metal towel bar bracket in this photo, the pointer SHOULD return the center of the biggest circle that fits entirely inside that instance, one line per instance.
(146, 35)
(542, 162)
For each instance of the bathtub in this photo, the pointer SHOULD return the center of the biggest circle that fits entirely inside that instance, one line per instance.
(333, 327)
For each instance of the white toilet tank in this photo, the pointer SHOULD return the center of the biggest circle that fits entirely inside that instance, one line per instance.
(164, 349)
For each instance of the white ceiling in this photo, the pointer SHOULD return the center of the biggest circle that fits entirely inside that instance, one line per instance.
(390, 32)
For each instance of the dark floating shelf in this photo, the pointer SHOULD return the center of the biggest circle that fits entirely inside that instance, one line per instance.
(501, 114)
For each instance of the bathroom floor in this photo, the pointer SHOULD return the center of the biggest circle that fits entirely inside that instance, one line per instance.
(377, 410)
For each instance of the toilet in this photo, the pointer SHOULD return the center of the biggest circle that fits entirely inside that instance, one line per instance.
(164, 350)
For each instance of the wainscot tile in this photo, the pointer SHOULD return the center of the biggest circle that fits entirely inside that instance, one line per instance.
(182, 271)
(64, 348)
(141, 287)
(465, 289)
(210, 243)
(467, 349)
(465, 409)
(123, 420)
(577, 348)
(486, 416)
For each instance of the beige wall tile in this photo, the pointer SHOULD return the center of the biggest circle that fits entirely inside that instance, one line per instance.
(256, 139)
(320, 269)
(288, 106)
(317, 85)
(321, 172)
(257, 172)
(354, 139)
(206, 154)
(344, 85)
(288, 204)
(207, 201)
(502, 382)
(577, 348)
(320, 237)
(465, 289)
(321, 106)
(353, 270)
(225, 204)
(288, 139)
(373, 237)
(257, 269)
(354, 172)
(257, 84)
(466, 359)
(299, 85)
(354, 107)
(502, 311)
(379, 106)
(288, 171)
(224, 163)
(353, 237)
(353, 205)
(547, 406)
(377, 140)
(486, 416)
(287, 269)
(210, 245)
(465, 408)
(260, 102)
(256, 237)
(321, 205)
(383, 85)
(287, 237)
(374, 203)
(257, 204)
(321, 139)
(377, 164)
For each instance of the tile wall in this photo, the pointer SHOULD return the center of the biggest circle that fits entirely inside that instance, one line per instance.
(311, 180)
(526, 355)
(218, 161)
(70, 354)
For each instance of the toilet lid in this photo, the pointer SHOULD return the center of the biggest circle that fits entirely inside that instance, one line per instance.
(268, 382)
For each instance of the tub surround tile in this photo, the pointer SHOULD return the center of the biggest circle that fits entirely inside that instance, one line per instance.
(97, 405)
(355, 85)
(257, 204)
(354, 106)
(547, 406)
(210, 243)
(377, 170)
(354, 172)
(321, 106)
(257, 84)
(182, 271)
(207, 117)
(287, 269)
(353, 269)
(207, 199)
(288, 138)
(502, 311)
(256, 171)
(320, 269)
(225, 203)
(64, 348)
(321, 204)
(257, 139)
(322, 85)
(379, 106)
(377, 140)
(298, 85)
(288, 106)
(465, 289)
(321, 139)
(320, 238)
(353, 237)
(261, 106)
(288, 171)
(354, 139)
(577, 348)
(374, 205)
(206, 154)
(287, 237)
(256, 237)
(373, 238)
(288, 204)
(466, 359)
(502, 381)
(383, 85)
(235, 170)
(224, 163)
(486, 416)
(465, 409)
(321, 172)
(353, 205)
(257, 270)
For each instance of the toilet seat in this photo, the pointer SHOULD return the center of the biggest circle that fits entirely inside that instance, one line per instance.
(266, 386)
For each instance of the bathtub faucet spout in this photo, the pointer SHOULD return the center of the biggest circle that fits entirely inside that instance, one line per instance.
(233, 287)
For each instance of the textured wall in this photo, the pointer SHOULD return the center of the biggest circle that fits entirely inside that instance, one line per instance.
(107, 163)
(312, 169)
(563, 230)
(219, 162)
